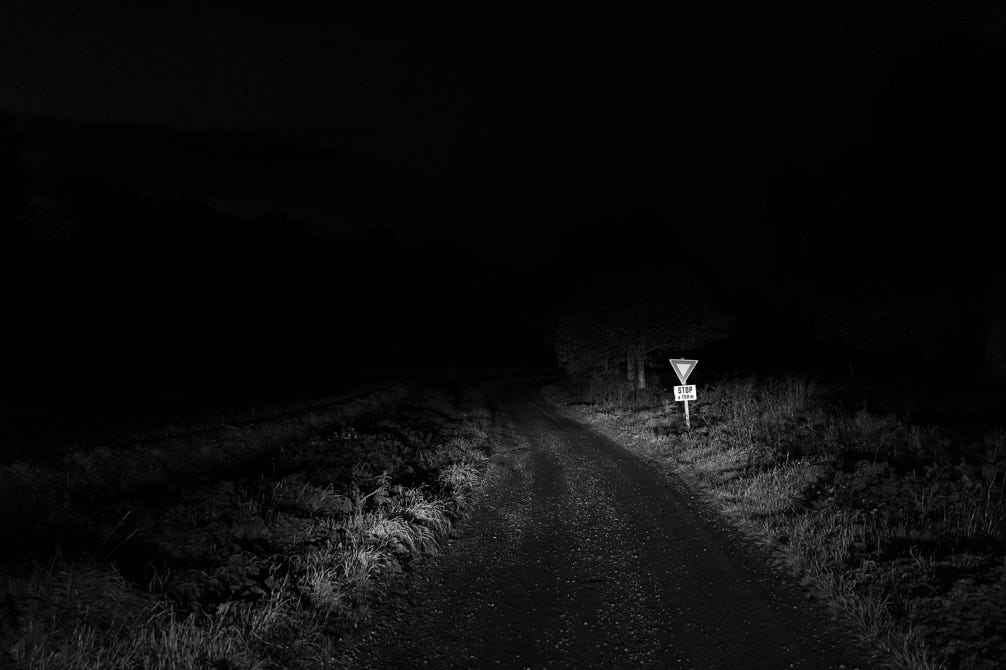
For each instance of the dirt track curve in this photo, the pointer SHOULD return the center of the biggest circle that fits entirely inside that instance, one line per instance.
(578, 555)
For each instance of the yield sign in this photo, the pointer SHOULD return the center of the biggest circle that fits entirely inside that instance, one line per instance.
(682, 368)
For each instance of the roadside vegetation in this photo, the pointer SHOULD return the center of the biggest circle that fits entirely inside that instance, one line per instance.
(900, 528)
(252, 547)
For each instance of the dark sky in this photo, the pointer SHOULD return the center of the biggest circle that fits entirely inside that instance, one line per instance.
(485, 121)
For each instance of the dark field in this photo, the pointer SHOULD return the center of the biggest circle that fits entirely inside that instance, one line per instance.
(235, 545)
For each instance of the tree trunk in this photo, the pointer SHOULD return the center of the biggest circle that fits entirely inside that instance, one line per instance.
(641, 371)
(630, 365)
(995, 346)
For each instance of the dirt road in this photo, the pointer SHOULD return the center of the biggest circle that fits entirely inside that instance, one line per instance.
(578, 555)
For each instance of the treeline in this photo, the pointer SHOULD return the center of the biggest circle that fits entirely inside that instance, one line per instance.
(634, 295)
(115, 294)
(889, 246)
(885, 261)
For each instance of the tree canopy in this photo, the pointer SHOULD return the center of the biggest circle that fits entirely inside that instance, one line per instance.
(620, 320)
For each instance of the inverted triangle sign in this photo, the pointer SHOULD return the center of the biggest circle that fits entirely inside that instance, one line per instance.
(682, 368)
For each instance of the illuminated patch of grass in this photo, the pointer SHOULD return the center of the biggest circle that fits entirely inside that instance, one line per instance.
(412, 504)
(773, 491)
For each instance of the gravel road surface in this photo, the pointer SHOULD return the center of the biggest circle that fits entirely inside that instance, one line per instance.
(579, 555)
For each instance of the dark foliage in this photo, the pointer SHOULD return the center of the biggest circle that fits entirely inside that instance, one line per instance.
(887, 247)
(114, 298)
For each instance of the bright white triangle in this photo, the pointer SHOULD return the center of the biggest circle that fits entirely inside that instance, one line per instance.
(683, 369)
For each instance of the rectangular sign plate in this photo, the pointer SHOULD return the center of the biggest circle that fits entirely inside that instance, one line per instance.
(684, 392)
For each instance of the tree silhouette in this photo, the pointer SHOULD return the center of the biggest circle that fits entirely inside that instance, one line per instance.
(13, 180)
(626, 318)
(882, 248)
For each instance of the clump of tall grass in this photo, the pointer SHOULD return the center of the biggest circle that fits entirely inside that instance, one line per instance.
(294, 493)
(417, 508)
(773, 491)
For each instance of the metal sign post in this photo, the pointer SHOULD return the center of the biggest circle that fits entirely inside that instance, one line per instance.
(683, 368)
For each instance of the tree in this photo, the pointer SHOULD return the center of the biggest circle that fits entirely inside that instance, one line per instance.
(627, 318)
(888, 320)
(882, 248)
(13, 180)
